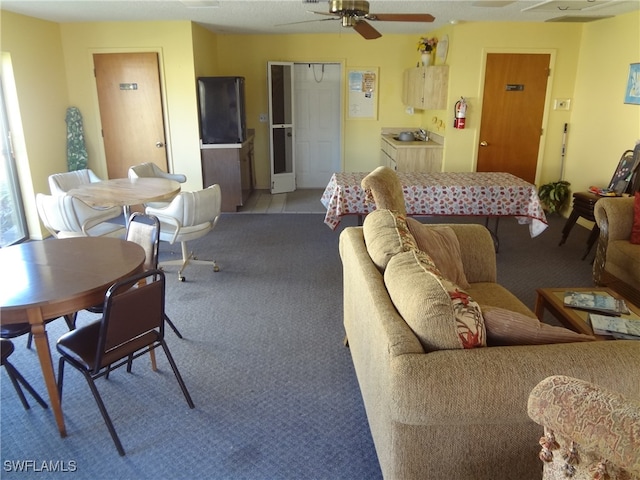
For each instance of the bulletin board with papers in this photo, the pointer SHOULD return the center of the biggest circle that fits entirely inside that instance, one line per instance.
(362, 84)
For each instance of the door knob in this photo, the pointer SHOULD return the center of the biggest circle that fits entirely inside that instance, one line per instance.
(159, 144)
(483, 144)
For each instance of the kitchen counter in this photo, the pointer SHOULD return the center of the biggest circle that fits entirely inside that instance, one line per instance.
(413, 156)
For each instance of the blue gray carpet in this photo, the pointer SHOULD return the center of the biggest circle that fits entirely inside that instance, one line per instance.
(275, 391)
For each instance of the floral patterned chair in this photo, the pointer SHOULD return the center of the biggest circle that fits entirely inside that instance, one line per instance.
(589, 432)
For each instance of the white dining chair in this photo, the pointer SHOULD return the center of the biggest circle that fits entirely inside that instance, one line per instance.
(61, 183)
(190, 215)
(150, 170)
(66, 216)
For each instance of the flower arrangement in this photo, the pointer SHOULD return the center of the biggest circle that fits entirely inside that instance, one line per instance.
(426, 45)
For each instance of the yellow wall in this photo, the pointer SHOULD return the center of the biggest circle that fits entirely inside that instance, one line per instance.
(469, 45)
(33, 50)
(590, 65)
(248, 55)
(602, 126)
(173, 41)
(205, 57)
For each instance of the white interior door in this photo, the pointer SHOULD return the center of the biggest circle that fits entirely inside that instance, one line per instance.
(317, 114)
(281, 127)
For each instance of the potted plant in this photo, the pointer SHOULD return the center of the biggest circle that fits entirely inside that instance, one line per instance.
(553, 195)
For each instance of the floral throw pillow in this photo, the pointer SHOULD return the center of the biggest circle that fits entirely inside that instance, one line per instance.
(442, 315)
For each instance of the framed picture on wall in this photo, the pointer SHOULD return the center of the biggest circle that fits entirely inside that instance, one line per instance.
(633, 85)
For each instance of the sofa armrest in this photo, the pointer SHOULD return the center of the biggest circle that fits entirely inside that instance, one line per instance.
(477, 251)
(602, 422)
(614, 217)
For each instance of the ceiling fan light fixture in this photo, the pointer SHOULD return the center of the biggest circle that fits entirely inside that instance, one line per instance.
(348, 21)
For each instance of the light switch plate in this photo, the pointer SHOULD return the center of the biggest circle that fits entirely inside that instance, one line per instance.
(562, 104)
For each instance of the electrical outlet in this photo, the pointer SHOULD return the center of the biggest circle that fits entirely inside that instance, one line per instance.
(263, 118)
(562, 104)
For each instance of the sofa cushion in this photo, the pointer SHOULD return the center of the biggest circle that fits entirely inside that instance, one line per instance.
(505, 327)
(443, 316)
(441, 244)
(386, 234)
(383, 187)
(490, 294)
(635, 229)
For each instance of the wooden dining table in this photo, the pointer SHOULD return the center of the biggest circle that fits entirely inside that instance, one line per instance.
(43, 280)
(125, 192)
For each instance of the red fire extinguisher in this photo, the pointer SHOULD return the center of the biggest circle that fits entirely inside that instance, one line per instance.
(460, 110)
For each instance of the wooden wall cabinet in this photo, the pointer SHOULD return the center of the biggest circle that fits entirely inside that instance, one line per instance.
(410, 156)
(232, 169)
(426, 88)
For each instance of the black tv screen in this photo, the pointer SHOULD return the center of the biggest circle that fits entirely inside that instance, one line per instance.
(221, 109)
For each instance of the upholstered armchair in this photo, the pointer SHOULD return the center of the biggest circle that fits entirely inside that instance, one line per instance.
(589, 432)
(617, 262)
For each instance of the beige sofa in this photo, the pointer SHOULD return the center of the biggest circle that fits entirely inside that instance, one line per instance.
(617, 262)
(457, 413)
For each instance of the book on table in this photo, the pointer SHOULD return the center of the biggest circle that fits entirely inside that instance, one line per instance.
(617, 327)
(600, 302)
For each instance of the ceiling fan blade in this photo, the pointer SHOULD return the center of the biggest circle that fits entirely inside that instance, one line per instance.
(366, 30)
(401, 17)
(306, 21)
(323, 13)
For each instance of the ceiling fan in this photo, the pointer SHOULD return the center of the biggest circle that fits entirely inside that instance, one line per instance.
(355, 13)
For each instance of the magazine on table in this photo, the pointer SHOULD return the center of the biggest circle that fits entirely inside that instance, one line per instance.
(600, 302)
(618, 327)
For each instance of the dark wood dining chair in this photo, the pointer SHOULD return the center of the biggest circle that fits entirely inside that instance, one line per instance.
(132, 325)
(7, 348)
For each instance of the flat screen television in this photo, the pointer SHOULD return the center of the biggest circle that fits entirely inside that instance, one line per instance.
(221, 110)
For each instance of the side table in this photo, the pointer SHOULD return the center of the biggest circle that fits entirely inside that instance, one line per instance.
(583, 204)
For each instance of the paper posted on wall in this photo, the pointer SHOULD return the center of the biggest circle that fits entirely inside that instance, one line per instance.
(600, 302)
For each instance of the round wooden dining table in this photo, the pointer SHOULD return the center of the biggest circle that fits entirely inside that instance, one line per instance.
(125, 192)
(47, 279)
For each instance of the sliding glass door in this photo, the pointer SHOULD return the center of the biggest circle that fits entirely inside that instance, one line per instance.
(12, 221)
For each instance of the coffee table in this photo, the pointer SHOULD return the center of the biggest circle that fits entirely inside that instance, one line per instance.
(552, 299)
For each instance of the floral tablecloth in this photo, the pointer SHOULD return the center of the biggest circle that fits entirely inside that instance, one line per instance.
(486, 194)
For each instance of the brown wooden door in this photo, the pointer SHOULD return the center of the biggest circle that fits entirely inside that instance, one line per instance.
(130, 110)
(512, 108)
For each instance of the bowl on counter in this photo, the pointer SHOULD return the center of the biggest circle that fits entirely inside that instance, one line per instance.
(405, 137)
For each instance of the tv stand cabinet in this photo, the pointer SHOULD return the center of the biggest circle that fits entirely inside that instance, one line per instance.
(231, 167)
